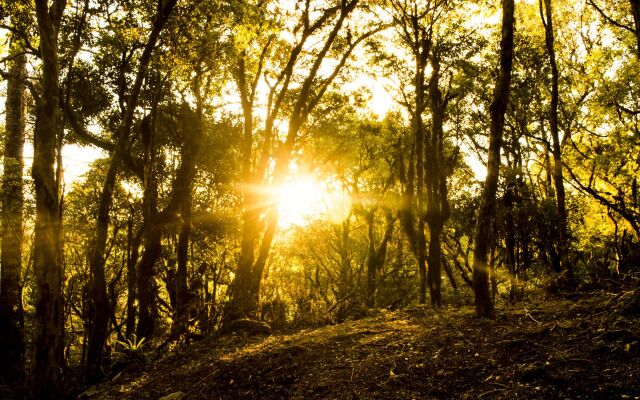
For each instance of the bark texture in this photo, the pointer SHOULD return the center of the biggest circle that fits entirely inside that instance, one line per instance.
(11, 312)
(48, 341)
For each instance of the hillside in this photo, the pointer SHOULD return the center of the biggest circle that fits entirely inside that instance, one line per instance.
(584, 346)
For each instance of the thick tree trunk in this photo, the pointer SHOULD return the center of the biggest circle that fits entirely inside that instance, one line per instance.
(48, 341)
(98, 297)
(11, 311)
(563, 245)
(486, 215)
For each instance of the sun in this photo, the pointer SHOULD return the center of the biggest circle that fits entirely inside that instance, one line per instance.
(301, 200)
(304, 199)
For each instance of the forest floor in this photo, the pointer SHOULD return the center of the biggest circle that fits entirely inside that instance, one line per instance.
(586, 345)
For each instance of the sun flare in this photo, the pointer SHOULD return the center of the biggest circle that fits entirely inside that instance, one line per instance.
(304, 199)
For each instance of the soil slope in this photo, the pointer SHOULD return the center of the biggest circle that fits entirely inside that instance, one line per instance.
(585, 347)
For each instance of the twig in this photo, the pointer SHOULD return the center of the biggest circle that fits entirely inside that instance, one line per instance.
(491, 392)
(531, 316)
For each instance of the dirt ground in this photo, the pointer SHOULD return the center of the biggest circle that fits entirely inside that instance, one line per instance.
(583, 347)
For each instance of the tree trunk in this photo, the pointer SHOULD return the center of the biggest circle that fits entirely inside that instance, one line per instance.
(419, 135)
(152, 236)
(147, 290)
(132, 285)
(437, 211)
(486, 215)
(435, 264)
(563, 245)
(48, 341)
(11, 311)
(192, 133)
(182, 288)
(371, 261)
(98, 298)
(155, 223)
(510, 239)
(377, 256)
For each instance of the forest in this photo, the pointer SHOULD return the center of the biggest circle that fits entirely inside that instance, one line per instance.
(319, 199)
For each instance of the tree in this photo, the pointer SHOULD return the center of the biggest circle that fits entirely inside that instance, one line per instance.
(486, 213)
(635, 14)
(415, 23)
(99, 324)
(557, 154)
(11, 311)
(48, 341)
(298, 103)
(431, 42)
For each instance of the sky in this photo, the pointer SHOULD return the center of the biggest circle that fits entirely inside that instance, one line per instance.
(76, 161)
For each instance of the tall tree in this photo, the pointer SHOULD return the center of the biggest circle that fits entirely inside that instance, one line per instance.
(12, 197)
(191, 143)
(48, 341)
(297, 103)
(563, 248)
(635, 12)
(98, 296)
(437, 212)
(416, 22)
(415, 27)
(486, 214)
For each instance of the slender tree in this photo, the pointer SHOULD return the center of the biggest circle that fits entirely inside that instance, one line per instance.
(486, 214)
(558, 179)
(192, 136)
(635, 12)
(415, 22)
(437, 212)
(377, 255)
